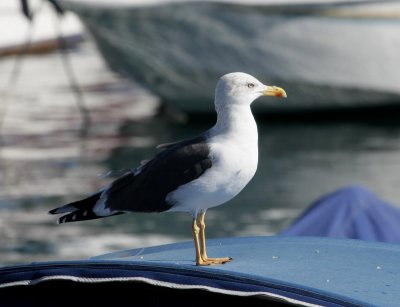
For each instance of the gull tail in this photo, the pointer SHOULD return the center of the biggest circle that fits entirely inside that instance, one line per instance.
(78, 211)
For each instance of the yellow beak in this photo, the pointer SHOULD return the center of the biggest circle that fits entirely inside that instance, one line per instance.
(274, 91)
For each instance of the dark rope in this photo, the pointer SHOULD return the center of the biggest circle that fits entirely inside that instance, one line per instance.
(17, 67)
(73, 82)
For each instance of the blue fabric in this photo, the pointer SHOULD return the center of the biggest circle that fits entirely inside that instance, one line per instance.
(329, 272)
(351, 212)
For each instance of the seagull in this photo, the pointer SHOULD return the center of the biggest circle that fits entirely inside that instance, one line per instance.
(192, 175)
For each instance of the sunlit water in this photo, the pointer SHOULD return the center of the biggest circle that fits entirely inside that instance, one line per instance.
(45, 162)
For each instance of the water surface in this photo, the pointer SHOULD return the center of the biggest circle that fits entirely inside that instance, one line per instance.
(45, 161)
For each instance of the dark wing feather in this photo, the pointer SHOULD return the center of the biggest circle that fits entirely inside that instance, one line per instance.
(146, 190)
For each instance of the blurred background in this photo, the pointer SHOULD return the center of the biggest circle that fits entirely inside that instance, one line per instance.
(99, 86)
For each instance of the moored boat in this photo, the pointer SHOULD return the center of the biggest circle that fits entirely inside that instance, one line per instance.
(41, 34)
(326, 54)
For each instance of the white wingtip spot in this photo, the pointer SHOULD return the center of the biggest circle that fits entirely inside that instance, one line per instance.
(104, 175)
(137, 170)
(85, 213)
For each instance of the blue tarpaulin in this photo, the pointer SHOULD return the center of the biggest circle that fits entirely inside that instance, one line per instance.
(351, 212)
(301, 271)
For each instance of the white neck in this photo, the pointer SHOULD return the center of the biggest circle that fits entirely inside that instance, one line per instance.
(238, 122)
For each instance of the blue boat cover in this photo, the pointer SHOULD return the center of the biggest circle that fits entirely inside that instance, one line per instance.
(351, 212)
(307, 271)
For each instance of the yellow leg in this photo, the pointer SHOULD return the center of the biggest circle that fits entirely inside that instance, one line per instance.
(202, 245)
(195, 232)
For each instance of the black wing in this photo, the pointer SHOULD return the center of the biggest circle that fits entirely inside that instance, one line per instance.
(146, 189)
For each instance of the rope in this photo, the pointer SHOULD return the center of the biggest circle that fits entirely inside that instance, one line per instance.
(73, 82)
(8, 92)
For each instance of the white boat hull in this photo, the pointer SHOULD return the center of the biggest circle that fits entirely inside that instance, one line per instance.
(19, 35)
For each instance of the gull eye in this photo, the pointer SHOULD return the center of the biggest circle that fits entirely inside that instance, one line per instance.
(250, 85)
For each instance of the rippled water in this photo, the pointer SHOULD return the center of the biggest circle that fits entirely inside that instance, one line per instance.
(45, 161)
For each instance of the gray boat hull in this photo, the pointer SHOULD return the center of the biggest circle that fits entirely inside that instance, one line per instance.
(325, 56)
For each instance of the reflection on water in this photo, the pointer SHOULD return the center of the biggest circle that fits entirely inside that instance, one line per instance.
(45, 163)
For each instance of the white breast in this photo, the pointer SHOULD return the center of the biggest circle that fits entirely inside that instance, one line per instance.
(234, 154)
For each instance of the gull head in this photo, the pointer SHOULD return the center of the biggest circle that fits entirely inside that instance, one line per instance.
(238, 88)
